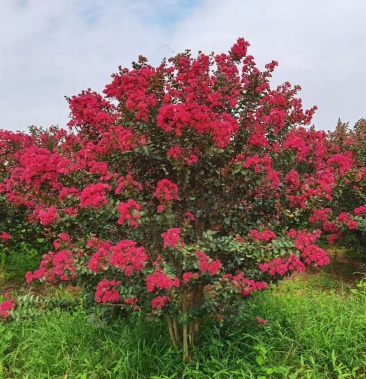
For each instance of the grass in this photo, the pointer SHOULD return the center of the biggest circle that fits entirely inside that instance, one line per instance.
(316, 329)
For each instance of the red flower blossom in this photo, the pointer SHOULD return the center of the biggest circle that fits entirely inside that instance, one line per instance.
(360, 210)
(159, 280)
(187, 276)
(166, 191)
(130, 211)
(205, 265)
(94, 195)
(128, 257)
(172, 238)
(266, 235)
(160, 301)
(4, 236)
(107, 291)
(6, 307)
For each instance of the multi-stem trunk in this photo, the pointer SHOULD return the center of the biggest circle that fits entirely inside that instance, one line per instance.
(189, 328)
(186, 340)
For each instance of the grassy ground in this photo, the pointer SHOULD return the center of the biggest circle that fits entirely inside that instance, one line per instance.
(316, 329)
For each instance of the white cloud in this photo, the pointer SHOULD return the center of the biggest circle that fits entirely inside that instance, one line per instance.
(54, 48)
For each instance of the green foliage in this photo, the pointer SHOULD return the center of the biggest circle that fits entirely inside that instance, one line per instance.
(23, 251)
(17, 262)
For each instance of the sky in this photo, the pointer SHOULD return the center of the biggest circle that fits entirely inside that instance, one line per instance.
(55, 48)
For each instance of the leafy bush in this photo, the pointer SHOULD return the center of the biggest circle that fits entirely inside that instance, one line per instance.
(174, 193)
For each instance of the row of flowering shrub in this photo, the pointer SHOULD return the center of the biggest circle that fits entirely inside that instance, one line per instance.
(181, 189)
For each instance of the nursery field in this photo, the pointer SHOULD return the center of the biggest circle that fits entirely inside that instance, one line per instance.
(316, 329)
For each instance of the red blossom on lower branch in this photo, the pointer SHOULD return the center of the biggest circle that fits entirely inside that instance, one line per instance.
(206, 266)
(159, 280)
(6, 307)
(244, 285)
(106, 291)
(281, 266)
(131, 300)
(130, 212)
(160, 301)
(127, 256)
(315, 255)
(311, 253)
(333, 238)
(187, 276)
(54, 265)
(172, 238)
(345, 218)
(265, 236)
(360, 210)
(4, 236)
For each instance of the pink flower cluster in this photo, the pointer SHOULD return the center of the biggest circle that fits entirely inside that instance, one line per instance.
(319, 215)
(172, 238)
(6, 307)
(292, 179)
(205, 265)
(160, 301)
(158, 280)
(94, 195)
(281, 265)
(128, 257)
(265, 236)
(125, 255)
(4, 236)
(260, 165)
(187, 276)
(333, 238)
(166, 191)
(53, 265)
(64, 241)
(130, 212)
(330, 227)
(314, 254)
(244, 285)
(345, 218)
(239, 49)
(127, 183)
(45, 216)
(176, 117)
(343, 161)
(310, 253)
(360, 210)
(132, 87)
(107, 291)
(185, 156)
(90, 111)
(99, 260)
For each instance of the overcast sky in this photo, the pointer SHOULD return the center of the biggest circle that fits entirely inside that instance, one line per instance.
(53, 48)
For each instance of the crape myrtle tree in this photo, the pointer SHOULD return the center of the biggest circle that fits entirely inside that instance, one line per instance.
(170, 193)
(16, 234)
(343, 215)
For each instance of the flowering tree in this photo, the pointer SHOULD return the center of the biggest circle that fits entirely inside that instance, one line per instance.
(343, 213)
(170, 193)
(17, 236)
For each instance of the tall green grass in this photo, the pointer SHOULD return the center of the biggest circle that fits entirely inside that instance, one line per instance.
(316, 329)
